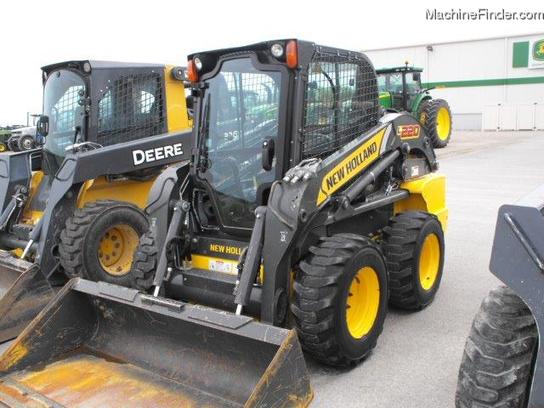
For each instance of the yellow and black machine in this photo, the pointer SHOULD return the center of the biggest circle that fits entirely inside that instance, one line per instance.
(76, 206)
(302, 214)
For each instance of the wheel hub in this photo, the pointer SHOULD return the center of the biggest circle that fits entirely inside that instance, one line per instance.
(116, 249)
(443, 123)
(429, 261)
(363, 302)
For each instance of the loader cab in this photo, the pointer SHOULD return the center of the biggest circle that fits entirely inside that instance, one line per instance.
(101, 103)
(260, 110)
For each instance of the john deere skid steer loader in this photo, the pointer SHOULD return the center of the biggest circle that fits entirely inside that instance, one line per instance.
(301, 208)
(76, 207)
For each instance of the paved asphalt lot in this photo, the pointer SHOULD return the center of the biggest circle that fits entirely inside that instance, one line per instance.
(417, 358)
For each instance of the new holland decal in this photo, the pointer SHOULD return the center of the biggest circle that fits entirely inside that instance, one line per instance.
(351, 166)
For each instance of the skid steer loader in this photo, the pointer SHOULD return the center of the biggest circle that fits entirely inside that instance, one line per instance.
(301, 208)
(76, 207)
(503, 360)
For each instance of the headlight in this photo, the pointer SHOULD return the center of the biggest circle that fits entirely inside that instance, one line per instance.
(277, 50)
(198, 63)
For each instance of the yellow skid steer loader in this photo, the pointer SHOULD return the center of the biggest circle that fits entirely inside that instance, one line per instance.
(76, 207)
(301, 208)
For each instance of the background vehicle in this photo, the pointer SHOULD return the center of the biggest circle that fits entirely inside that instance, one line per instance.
(76, 207)
(23, 138)
(503, 362)
(400, 89)
(301, 207)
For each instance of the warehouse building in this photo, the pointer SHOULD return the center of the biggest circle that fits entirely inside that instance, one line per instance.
(490, 84)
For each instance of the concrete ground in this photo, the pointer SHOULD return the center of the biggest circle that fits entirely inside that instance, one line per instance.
(416, 360)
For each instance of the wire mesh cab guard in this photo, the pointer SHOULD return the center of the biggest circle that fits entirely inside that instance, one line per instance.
(340, 102)
(131, 108)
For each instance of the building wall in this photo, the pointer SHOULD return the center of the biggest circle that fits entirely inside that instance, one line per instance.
(473, 76)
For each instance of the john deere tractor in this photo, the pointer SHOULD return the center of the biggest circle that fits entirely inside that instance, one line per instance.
(302, 208)
(114, 135)
(400, 90)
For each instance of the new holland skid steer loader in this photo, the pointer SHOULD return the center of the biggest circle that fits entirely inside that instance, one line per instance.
(301, 208)
(503, 360)
(76, 207)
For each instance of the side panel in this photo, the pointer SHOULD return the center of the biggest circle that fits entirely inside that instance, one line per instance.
(427, 193)
(176, 106)
(132, 191)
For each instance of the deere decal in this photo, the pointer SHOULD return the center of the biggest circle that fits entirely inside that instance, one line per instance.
(538, 50)
(352, 165)
(536, 54)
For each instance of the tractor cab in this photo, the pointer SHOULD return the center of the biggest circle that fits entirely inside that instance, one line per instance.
(400, 87)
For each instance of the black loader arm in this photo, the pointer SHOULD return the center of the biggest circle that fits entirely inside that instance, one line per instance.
(517, 259)
(317, 192)
(116, 159)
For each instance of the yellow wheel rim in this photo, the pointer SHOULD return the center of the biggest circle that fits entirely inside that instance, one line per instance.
(429, 261)
(363, 302)
(3, 147)
(116, 249)
(443, 123)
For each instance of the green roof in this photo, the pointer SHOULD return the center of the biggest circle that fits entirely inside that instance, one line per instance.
(402, 68)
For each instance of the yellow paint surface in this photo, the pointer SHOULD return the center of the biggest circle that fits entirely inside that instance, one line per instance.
(176, 105)
(86, 380)
(131, 191)
(427, 193)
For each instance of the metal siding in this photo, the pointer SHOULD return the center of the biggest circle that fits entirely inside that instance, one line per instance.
(488, 59)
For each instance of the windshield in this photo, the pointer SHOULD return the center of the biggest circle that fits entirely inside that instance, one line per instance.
(390, 82)
(241, 111)
(62, 93)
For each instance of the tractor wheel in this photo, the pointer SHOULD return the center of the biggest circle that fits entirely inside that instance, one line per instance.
(413, 245)
(12, 143)
(496, 368)
(340, 299)
(3, 147)
(145, 261)
(435, 117)
(99, 241)
(26, 142)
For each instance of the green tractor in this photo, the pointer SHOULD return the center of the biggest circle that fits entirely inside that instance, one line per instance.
(5, 134)
(400, 90)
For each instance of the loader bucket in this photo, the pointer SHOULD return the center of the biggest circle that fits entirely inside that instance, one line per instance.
(24, 292)
(98, 345)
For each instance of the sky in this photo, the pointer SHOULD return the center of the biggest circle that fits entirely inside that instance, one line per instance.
(37, 33)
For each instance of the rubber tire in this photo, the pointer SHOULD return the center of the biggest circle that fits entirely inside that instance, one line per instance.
(21, 141)
(496, 368)
(145, 261)
(431, 108)
(79, 240)
(402, 241)
(321, 288)
(12, 143)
